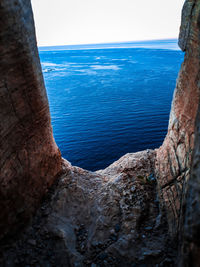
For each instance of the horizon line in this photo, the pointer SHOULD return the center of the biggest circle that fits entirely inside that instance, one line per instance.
(114, 42)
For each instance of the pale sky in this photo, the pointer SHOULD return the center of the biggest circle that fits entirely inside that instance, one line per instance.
(66, 22)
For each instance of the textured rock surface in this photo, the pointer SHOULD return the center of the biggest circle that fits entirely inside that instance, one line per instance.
(174, 156)
(30, 159)
(189, 238)
(186, 34)
(190, 231)
(108, 218)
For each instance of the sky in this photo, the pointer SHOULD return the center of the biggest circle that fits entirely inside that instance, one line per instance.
(67, 22)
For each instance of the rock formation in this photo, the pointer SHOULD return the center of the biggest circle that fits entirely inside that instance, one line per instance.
(143, 210)
(189, 241)
(30, 159)
(174, 156)
(108, 218)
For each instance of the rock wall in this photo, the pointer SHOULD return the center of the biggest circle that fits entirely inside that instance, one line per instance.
(189, 238)
(29, 157)
(105, 218)
(174, 156)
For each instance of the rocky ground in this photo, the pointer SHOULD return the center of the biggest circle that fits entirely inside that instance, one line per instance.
(108, 218)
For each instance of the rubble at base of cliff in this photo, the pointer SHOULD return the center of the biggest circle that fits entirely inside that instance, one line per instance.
(108, 218)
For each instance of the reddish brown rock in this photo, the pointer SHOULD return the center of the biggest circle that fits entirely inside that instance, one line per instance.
(30, 159)
(174, 156)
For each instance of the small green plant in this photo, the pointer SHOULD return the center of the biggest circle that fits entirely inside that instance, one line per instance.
(147, 179)
(142, 179)
(151, 178)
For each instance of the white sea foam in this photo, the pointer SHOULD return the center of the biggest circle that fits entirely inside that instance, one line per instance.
(86, 71)
(132, 61)
(119, 59)
(105, 67)
(49, 64)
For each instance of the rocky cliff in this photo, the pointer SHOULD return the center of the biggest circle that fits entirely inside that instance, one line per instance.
(143, 210)
(108, 218)
(174, 156)
(30, 159)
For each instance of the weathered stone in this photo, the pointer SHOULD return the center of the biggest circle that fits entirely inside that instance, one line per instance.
(189, 235)
(173, 158)
(101, 225)
(185, 30)
(30, 159)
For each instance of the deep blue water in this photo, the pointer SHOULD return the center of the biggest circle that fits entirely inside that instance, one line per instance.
(109, 99)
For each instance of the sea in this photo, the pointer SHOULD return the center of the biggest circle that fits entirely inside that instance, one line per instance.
(107, 100)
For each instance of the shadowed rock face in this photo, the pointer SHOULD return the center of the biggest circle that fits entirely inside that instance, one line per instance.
(174, 156)
(189, 235)
(30, 159)
(108, 218)
(190, 224)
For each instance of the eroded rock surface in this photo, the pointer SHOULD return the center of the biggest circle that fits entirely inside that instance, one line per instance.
(189, 236)
(29, 157)
(174, 156)
(108, 218)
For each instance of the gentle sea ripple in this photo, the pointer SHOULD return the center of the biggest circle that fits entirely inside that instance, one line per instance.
(108, 102)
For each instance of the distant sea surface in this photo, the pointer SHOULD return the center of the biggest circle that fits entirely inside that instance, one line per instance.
(109, 99)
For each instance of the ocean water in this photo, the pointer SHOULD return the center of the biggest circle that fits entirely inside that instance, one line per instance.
(109, 99)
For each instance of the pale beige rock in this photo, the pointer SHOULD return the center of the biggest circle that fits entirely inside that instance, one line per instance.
(101, 218)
